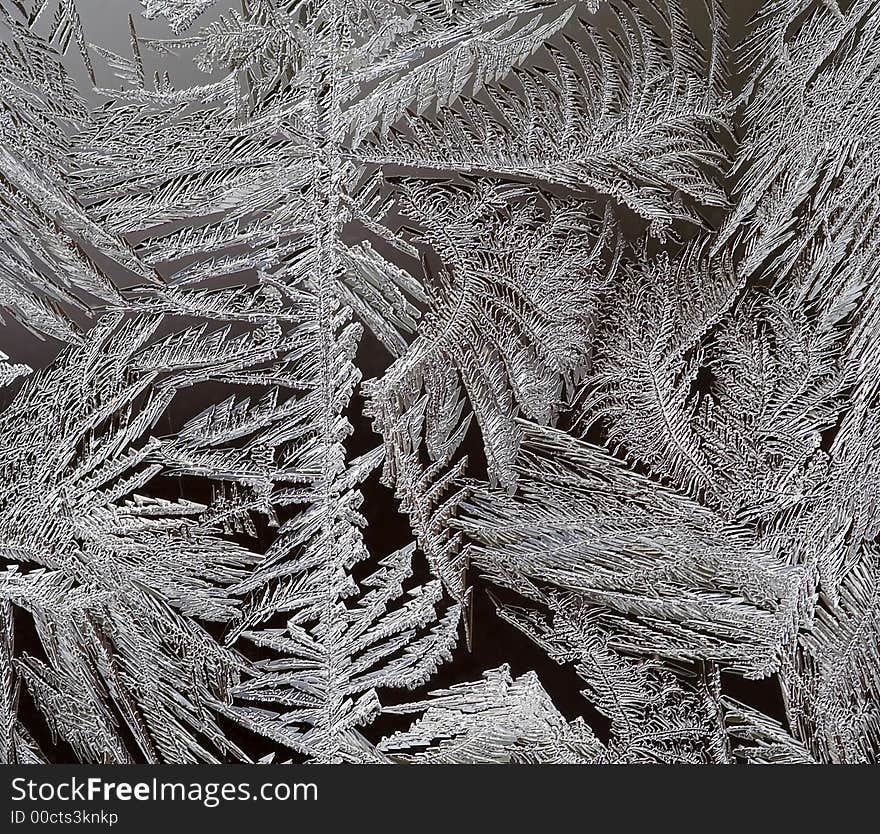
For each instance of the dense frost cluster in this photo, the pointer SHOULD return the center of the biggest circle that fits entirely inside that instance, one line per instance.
(346, 341)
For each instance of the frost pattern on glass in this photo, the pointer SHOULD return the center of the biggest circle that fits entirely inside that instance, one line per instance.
(347, 342)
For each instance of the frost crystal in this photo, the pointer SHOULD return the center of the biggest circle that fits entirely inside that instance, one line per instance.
(348, 344)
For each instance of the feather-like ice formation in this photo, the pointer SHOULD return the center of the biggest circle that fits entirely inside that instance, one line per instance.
(348, 344)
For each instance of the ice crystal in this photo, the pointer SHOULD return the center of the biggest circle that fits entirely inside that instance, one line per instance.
(348, 343)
